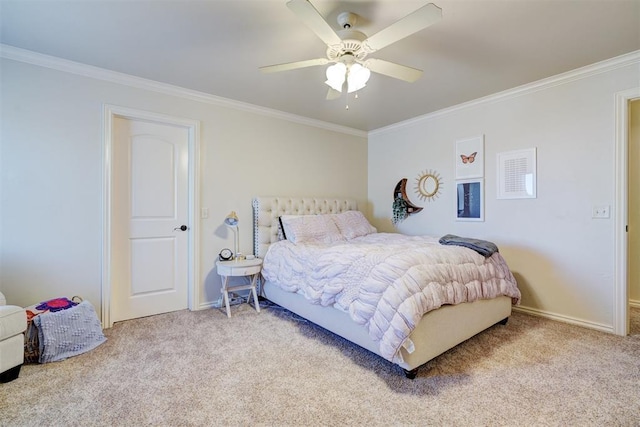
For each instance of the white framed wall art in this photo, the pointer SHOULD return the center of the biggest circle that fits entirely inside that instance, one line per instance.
(470, 200)
(517, 174)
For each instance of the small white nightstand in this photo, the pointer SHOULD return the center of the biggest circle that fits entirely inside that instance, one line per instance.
(247, 267)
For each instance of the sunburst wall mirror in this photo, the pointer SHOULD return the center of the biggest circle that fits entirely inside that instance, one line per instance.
(428, 185)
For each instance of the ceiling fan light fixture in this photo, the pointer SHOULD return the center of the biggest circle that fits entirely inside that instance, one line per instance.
(336, 75)
(348, 49)
(357, 78)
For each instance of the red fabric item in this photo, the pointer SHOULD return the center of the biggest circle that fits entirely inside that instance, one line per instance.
(56, 304)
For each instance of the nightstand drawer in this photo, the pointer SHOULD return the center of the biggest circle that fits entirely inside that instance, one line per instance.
(246, 271)
(239, 268)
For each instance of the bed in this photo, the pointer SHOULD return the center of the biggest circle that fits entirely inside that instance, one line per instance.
(433, 333)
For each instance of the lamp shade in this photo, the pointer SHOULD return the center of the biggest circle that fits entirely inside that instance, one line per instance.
(357, 78)
(336, 75)
(231, 220)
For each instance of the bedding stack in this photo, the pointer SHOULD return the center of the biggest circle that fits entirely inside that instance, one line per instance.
(385, 281)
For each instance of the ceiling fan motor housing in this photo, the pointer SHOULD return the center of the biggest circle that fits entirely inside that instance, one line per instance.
(351, 45)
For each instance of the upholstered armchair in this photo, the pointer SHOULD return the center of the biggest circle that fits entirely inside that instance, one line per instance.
(13, 323)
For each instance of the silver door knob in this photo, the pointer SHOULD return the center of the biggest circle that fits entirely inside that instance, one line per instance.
(181, 228)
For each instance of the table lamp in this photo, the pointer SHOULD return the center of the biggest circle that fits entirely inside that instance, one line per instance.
(231, 221)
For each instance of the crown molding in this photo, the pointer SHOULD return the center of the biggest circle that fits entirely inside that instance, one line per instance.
(64, 65)
(47, 61)
(549, 82)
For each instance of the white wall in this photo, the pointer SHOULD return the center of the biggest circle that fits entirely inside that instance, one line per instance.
(51, 156)
(562, 258)
(51, 180)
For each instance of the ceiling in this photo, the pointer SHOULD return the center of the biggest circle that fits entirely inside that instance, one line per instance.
(479, 47)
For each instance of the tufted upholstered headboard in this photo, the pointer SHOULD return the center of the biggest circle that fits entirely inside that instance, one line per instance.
(267, 210)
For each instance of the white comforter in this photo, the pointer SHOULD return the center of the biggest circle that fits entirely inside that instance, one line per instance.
(386, 281)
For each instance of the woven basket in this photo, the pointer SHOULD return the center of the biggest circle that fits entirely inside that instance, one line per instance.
(31, 340)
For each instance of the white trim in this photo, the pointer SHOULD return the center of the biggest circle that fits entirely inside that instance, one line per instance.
(107, 136)
(557, 80)
(34, 58)
(564, 319)
(109, 112)
(208, 305)
(620, 286)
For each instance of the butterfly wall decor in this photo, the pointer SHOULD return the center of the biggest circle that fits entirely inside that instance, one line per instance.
(468, 159)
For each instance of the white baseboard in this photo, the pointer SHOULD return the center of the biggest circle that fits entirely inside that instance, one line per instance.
(565, 319)
(208, 305)
(233, 300)
(528, 310)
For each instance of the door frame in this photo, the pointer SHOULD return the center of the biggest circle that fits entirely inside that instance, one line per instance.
(621, 290)
(193, 267)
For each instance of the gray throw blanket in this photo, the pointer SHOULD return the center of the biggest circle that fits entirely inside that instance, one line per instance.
(68, 332)
(483, 247)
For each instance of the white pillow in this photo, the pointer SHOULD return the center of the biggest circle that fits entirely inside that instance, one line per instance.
(281, 234)
(310, 229)
(353, 224)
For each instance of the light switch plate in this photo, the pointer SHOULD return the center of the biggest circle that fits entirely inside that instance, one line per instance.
(601, 212)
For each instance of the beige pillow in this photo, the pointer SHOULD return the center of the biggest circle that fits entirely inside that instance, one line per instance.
(310, 229)
(353, 224)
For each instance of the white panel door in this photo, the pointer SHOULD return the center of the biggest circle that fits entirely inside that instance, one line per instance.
(149, 206)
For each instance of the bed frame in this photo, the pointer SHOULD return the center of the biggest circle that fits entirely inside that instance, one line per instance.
(438, 330)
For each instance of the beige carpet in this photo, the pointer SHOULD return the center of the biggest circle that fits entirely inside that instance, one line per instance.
(272, 369)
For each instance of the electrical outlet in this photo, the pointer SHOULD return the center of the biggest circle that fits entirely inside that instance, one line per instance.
(601, 212)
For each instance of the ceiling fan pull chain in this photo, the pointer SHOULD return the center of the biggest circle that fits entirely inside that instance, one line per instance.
(355, 96)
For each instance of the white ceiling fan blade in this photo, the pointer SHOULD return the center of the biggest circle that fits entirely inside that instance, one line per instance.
(294, 65)
(312, 19)
(414, 22)
(392, 69)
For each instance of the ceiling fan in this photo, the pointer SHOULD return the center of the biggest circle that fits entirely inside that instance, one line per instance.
(347, 49)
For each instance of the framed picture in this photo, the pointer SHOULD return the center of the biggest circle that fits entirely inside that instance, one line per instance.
(470, 200)
(517, 174)
(470, 158)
